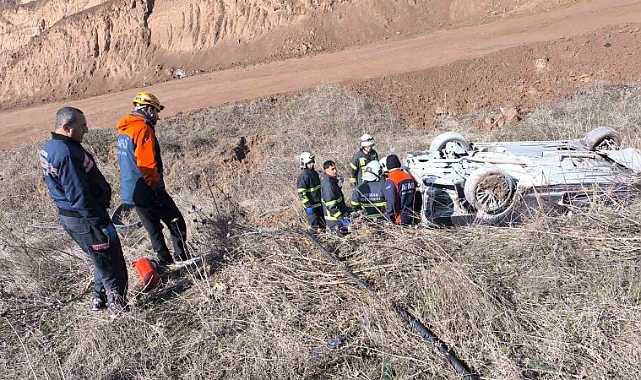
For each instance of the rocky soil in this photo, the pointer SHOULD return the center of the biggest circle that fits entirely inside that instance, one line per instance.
(54, 50)
(513, 81)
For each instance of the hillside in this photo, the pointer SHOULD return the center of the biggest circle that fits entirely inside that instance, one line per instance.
(558, 297)
(555, 297)
(55, 50)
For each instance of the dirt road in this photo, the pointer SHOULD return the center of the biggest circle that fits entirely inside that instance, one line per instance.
(214, 89)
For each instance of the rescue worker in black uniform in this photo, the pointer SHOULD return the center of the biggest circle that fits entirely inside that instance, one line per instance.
(82, 196)
(370, 195)
(309, 191)
(333, 200)
(363, 157)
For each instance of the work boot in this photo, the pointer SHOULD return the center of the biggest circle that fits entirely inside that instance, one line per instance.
(165, 262)
(164, 259)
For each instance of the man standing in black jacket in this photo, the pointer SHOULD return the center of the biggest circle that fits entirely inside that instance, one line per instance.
(333, 200)
(309, 191)
(359, 161)
(82, 196)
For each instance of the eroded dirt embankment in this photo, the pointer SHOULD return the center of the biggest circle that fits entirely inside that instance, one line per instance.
(55, 50)
(515, 79)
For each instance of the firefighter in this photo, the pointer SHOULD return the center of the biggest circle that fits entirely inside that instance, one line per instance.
(333, 201)
(141, 173)
(401, 194)
(370, 195)
(363, 157)
(82, 195)
(309, 191)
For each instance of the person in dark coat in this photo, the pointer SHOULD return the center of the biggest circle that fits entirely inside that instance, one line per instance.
(370, 195)
(82, 196)
(401, 194)
(364, 156)
(309, 191)
(334, 206)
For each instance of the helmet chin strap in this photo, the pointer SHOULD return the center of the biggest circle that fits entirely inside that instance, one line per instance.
(144, 110)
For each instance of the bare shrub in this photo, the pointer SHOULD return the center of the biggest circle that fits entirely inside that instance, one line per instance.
(553, 298)
(614, 106)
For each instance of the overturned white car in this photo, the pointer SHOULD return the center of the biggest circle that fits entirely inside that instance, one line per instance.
(495, 183)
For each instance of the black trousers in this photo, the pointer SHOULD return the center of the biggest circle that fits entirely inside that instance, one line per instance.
(151, 215)
(110, 270)
(317, 219)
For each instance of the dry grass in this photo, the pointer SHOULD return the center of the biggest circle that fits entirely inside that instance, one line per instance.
(554, 298)
(569, 118)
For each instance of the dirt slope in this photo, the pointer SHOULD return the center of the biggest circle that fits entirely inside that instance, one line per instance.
(516, 79)
(54, 50)
(388, 58)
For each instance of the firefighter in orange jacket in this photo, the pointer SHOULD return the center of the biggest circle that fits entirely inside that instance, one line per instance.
(141, 173)
(401, 194)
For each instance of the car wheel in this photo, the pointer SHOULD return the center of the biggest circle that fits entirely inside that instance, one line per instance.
(492, 193)
(448, 141)
(602, 138)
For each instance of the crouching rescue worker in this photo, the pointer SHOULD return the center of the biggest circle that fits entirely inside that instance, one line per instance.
(309, 191)
(370, 195)
(82, 196)
(401, 194)
(363, 157)
(333, 201)
(141, 174)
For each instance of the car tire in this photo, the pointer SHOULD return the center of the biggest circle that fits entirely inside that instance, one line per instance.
(441, 141)
(601, 137)
(492, 193)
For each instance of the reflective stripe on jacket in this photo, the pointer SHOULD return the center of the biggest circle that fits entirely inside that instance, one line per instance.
(333, 201)
(358, 163)
(74, 181)
(403, 199)
(141, 169)
(371, 197)
(309, 188)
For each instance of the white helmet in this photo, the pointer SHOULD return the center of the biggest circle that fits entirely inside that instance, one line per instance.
(383, 163)
(367, 140)
(373, 171)
(306, 158)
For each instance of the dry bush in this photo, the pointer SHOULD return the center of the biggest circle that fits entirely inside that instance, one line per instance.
(553, 298)
(614, 106)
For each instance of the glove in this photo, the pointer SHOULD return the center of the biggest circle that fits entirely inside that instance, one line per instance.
(345, 222)
(110, 232)
(309, 210)
(161, 195)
